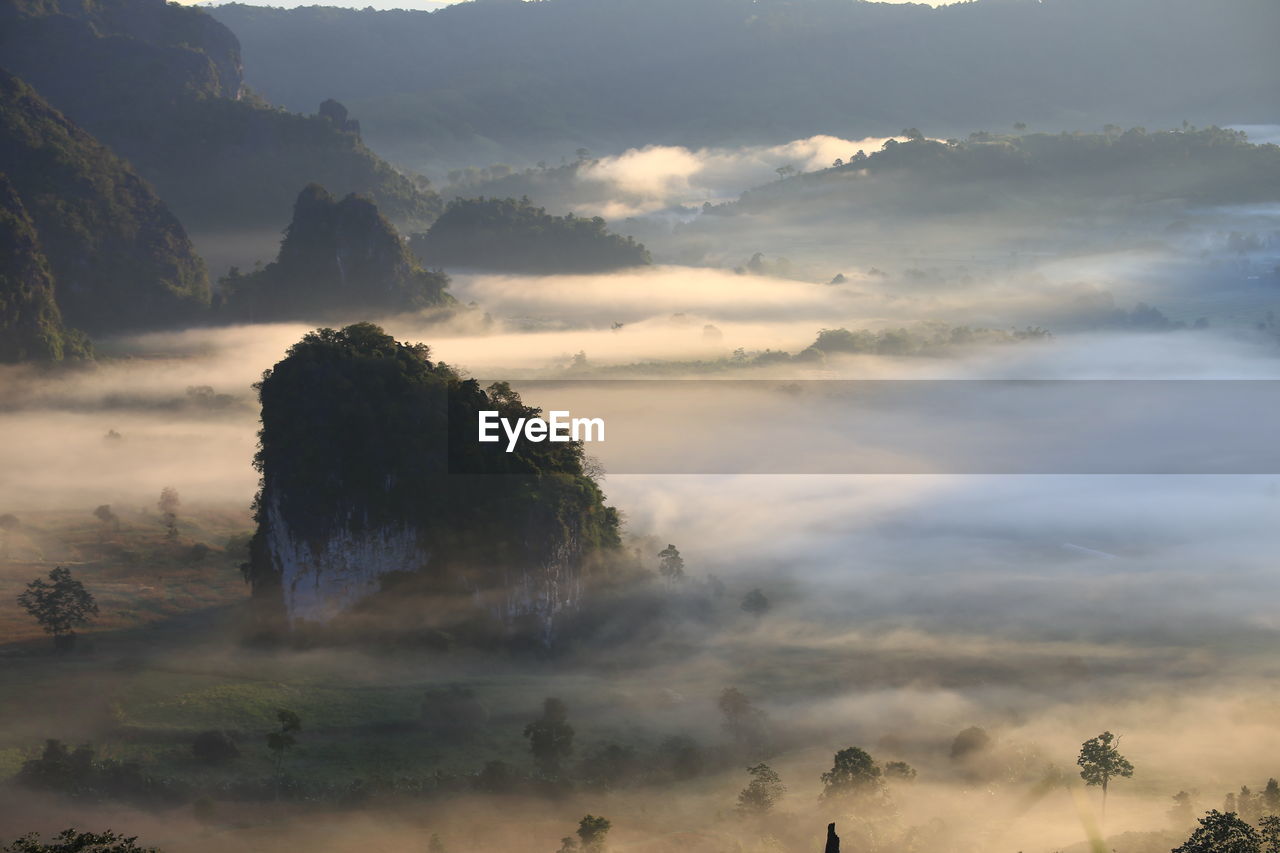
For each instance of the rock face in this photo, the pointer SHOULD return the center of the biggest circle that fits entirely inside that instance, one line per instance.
(118, 257)
(374, 514)
(31, 326)
(321, 580)
(337, 258)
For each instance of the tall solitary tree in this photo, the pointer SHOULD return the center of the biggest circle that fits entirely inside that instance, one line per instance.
(763, 791)
(60, 605)
(671, 564)
(1100, 761)
(168, 505)
(550, 736)
(744, 722)
(281, 740)
(1271, 797)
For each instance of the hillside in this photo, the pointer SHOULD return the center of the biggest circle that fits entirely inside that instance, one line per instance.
(516, 236)
(475, 83)
(338, 258)
(161, 85)
(1033, 172)
(118, 257)
(31, 327)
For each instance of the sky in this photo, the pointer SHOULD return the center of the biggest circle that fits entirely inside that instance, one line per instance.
(426, 5)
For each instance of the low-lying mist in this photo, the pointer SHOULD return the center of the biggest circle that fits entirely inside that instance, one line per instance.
(900, 610)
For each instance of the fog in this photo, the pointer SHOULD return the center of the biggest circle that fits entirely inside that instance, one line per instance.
(649, 179)
(905, 607)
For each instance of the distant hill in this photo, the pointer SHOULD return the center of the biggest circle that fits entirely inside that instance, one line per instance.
(31, 327)
(118, 258)
(338, 259)
(161, 84)
(1035, 173)
(476, 81)
(515, 236)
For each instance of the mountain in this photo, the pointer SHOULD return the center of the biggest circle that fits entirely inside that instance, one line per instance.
(1032, 174)
(31, 326)
(337, 258)
(118, 257)
(480, 82)
(374, 514)
(161, 84)
(515, 236)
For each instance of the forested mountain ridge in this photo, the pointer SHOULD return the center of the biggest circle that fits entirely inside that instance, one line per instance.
(365, 484)
(515, 236)
(337, 258)
(161, 85)
(543, 77)
(31, 327)
(985, 171)
(119, 259)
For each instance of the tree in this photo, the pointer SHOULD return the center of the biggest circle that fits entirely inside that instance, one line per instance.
(496, 777)
(671, 564)
(1271, 797)
(59, 605)
(755, 603)
(900, 770)
(8, 523)
(282, 740)
(71, 841)
(853, 771)
(1181, 813)
(681, 756)
(550, 736)
(1221, 833)
(1249, 804)
(763, 791)
(1100, 762)
(168, 505)
(1269, 830)
(971, 741)
(745, 723)
(592, 831)
(107, 516)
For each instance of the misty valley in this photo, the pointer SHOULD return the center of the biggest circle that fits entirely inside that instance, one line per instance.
(936, 345)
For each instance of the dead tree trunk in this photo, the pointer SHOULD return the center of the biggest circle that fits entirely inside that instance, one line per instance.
(833, 840)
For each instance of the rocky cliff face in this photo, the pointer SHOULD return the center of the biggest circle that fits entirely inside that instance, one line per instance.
(371, 506)
(325, 577)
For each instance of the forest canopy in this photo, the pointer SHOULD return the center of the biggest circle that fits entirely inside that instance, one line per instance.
(515, 236)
